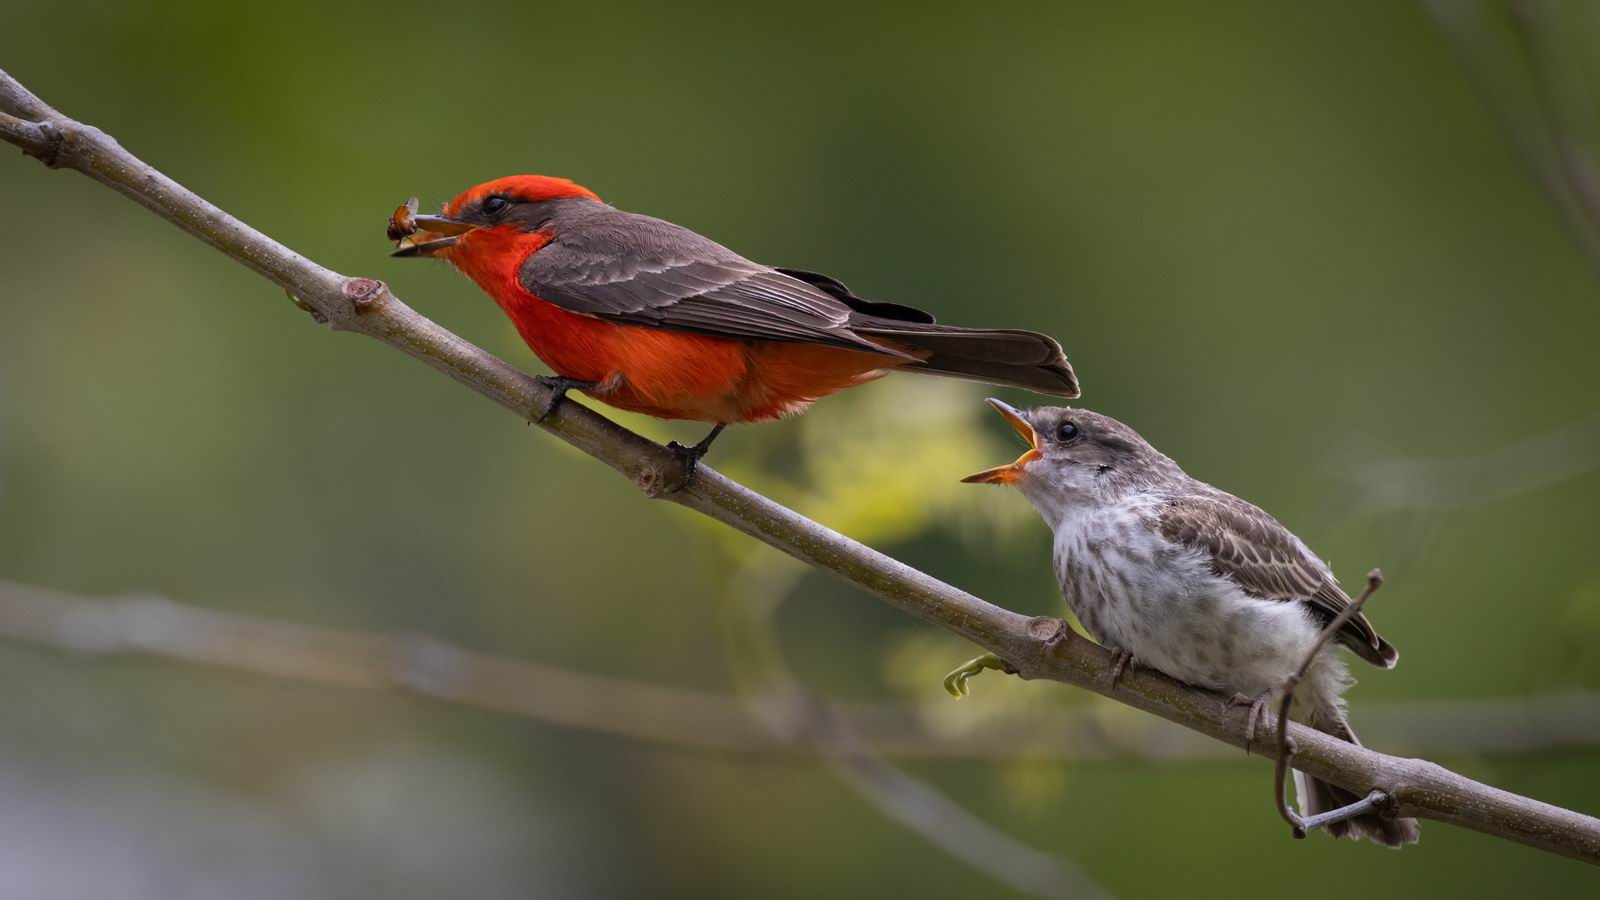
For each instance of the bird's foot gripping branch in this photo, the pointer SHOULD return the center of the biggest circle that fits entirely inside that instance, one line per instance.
(1417, 787)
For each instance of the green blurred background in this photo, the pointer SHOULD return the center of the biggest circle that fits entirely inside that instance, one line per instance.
(1286, 241)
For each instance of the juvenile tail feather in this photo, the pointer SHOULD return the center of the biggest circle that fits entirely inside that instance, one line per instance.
(1318, 796)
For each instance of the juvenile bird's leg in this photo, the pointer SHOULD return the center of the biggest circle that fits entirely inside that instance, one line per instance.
(1123, 661)
(956, 682)
(691, 455)
(559, 385)
(1258, 706)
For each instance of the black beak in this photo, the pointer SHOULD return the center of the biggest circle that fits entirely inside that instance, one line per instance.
(449, 231)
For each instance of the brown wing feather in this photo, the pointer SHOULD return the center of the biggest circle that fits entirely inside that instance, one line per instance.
(639, 270)
(1251, 548)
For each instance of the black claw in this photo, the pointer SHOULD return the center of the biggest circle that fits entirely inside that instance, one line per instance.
(691, 455)
(559, 385)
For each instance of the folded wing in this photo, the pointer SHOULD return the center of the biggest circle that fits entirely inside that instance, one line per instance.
(1251, 548)
(639, 270)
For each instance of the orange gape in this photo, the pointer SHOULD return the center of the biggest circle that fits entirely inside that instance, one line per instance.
(667, 374)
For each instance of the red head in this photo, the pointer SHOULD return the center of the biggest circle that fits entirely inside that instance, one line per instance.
(489, 230)
(517, 188)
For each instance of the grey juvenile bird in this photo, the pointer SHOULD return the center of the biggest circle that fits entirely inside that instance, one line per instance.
(1191, 581)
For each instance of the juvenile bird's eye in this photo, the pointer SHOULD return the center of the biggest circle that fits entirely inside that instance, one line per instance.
(1066, 431)
(495, 205)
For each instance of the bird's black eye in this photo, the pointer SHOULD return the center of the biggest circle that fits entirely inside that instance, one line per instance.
(494, 206)
(1066, 431)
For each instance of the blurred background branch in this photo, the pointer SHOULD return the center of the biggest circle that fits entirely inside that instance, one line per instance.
(149, 625)
(1381, 481)
(1519, 56)
(773, 696)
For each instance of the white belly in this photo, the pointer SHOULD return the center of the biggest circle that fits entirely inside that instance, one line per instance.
(1133, 590)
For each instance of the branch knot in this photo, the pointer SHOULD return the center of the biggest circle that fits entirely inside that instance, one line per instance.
(54, 139)
(364, 294)
(1048, 629)
(654, 481)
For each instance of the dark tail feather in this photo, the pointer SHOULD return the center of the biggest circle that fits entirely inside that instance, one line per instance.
(1360, 638)
(1024, 359)
(1320, 796)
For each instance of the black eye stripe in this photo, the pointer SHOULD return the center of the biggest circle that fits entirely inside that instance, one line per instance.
(495, 205)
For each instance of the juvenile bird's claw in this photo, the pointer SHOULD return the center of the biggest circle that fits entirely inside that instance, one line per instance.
(1123, 661)
(956, 682)
(1258, 708)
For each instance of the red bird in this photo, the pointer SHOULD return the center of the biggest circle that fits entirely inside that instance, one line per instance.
(651, 317)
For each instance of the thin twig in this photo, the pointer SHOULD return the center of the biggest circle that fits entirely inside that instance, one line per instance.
(1370, 802)
(368, 307)
(1286, 747)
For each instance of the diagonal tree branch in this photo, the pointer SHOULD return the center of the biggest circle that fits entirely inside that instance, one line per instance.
(1034, 647)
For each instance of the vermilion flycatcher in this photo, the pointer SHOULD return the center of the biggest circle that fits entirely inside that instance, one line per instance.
(1190, 581)
(651, 317)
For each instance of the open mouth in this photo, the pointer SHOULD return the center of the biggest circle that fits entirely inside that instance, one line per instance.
(1009, 473)
(423, 235)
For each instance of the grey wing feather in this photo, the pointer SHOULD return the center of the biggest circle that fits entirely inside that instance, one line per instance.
(640, 270)
(1252, 549)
